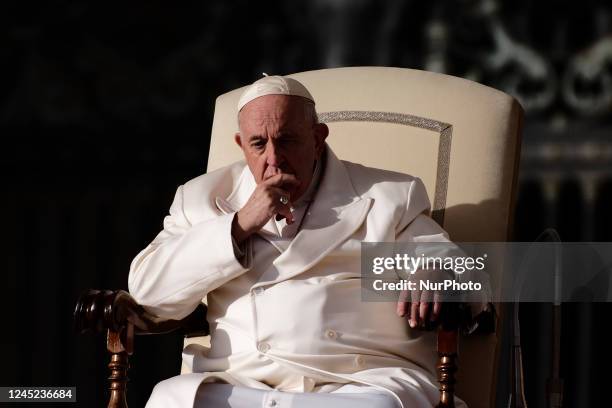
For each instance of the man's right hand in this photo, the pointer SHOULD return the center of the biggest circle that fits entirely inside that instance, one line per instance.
(264, 203)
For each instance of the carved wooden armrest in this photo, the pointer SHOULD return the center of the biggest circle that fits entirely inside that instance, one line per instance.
(118, 315)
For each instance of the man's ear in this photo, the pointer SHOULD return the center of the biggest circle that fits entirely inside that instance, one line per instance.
(238, 139)
(321, 132)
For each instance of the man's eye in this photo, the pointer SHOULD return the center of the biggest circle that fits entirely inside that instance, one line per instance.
(258, 145)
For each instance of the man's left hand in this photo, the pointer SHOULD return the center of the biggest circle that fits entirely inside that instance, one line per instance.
(419, 306)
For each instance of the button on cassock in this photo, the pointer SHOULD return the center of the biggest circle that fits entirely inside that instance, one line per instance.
(331, 334)
(263, 347)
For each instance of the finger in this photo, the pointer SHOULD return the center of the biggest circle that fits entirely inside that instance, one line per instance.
(415, 295)
(436, 311)
(271, 171)
(285, 211)
(279, 208)
(415, 298)
(275, 194)
(423, 310)
(400, 309)
(283, 179)
(414, 314)
(425, 307)
(437, 307)
(426, 296)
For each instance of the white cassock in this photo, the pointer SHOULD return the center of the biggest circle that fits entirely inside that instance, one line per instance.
(288, 316)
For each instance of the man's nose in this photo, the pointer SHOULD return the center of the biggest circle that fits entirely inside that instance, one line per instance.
(273, 156)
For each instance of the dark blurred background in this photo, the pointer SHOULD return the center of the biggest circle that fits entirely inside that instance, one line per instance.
(106, 108)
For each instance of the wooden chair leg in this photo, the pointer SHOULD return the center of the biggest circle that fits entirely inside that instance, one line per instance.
(118, 371)
(447, 366)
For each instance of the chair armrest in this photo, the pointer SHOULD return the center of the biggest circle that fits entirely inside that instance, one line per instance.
(120, 317)
(455, 316)
(101, 310)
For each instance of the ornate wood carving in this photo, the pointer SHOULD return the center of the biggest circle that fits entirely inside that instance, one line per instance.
(100, 310)
(118, 370)
(118, 315)
(447, 366)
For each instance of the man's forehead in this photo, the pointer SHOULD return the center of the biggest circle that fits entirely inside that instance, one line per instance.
(274, 103)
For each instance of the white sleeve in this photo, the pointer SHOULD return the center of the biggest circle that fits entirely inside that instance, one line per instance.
(183, 263)
(415, 225)
(422, 229)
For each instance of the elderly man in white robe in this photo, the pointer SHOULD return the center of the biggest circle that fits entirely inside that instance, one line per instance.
(274, 243)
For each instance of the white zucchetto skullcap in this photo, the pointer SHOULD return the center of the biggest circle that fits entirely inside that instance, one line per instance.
(273, 85)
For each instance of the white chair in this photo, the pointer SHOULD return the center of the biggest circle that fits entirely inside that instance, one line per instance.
(461, 138)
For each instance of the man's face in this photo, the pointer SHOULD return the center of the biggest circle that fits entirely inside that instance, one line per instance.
(276, 136)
